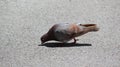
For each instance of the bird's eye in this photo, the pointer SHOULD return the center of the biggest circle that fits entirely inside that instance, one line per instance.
(42, 39)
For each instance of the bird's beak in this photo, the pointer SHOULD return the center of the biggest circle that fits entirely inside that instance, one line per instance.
(42, 42)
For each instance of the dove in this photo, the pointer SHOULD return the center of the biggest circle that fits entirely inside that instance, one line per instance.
(64, 32)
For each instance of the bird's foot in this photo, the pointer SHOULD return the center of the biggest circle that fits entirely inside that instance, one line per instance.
(75, 40)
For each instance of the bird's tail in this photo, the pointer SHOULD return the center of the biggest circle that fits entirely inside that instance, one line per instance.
(91, 27)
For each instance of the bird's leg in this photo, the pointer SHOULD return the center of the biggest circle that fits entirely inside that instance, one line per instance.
(75, 40)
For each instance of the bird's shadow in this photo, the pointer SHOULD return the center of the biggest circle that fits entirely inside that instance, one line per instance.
(64, 44)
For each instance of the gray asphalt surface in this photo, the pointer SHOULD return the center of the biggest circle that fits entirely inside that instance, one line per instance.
(23, 22)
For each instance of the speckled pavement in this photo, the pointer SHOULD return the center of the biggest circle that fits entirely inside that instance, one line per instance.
(23, 22)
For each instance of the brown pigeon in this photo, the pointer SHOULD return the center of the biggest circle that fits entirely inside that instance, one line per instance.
(65, 32)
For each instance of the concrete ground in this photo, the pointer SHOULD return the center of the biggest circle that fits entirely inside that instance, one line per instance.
(23, 22)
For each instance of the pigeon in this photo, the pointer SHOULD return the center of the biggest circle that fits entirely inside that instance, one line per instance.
(64, 32)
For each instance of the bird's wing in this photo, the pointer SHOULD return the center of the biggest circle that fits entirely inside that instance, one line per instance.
(67, 31)
(75, 30)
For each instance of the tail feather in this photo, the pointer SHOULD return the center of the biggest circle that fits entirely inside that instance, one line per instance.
(92, 27)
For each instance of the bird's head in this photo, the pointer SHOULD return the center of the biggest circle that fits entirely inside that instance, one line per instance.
(44, 38)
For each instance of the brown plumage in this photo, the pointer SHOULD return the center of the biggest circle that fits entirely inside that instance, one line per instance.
(64, 32)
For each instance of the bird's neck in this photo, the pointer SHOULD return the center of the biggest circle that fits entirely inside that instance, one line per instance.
(51, 36)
